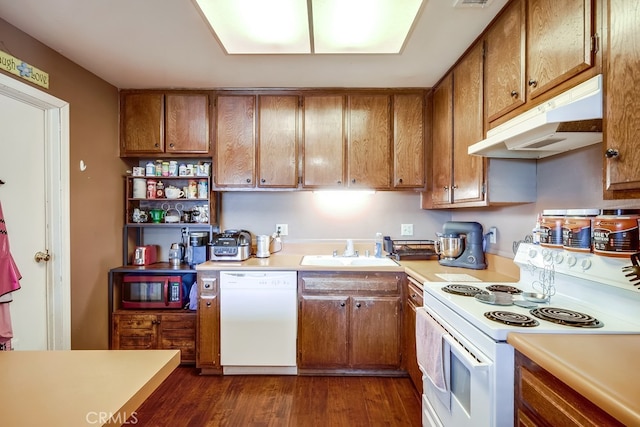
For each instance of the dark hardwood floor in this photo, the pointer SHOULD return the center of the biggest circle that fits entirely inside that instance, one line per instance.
(188, 399)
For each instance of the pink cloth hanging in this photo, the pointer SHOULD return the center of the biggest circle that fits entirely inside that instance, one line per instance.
(9, 281)
(9, 274)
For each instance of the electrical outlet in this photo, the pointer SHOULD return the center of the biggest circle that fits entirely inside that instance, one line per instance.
(283, 229)
(493, 235)
(406, 230)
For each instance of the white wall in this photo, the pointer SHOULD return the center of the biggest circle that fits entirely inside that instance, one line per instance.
(570, 180)
(320, 216)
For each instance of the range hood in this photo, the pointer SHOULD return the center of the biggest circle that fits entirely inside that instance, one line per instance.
(568, 121)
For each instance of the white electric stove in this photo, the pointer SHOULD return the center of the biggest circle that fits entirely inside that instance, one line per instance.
(589, 295)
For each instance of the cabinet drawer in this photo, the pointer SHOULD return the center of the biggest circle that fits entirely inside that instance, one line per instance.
(127, 321)
(361, 283)
(414, 293)
(555, 402)
(179, 321)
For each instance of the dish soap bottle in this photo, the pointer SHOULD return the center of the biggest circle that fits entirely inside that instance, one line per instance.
(377, 251)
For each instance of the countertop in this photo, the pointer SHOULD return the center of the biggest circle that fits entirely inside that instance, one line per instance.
(603, 368)
(423, 271)
(79, 387)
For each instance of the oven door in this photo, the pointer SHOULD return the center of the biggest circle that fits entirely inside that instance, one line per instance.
(467, 401)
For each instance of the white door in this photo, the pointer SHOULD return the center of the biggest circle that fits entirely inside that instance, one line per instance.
(34, 196)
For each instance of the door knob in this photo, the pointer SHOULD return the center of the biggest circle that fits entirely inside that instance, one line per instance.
(42, 256)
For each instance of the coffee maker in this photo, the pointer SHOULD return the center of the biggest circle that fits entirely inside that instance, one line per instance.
(461, 245)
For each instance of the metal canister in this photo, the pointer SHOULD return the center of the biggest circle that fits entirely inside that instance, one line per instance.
(551, 227)
(616, 232)
(151, 188)
(203, 189)
(192, 189)
(577, 229)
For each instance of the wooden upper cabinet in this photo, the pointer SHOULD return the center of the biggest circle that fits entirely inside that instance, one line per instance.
(278, 141)
(158, 122)
(187, 123)
(559, 42)
(235, 153)
(622, 103)
(504, 46)
(408, 141)
(442, 141)
(323, 141)
(141, 123)
(369, 141)
(468, 122)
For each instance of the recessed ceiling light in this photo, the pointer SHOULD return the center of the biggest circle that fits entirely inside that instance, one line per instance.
(310, 26)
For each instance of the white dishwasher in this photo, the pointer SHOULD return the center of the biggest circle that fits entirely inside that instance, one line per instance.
(258, 322)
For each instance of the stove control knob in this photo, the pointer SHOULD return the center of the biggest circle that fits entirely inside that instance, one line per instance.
(585, 264)
(571, 260)
(558, 258)
(532, 253)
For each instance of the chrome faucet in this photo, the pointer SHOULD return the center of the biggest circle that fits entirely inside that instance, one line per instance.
(349, 251)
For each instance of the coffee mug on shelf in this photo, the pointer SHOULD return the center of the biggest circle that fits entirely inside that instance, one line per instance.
(173, 193)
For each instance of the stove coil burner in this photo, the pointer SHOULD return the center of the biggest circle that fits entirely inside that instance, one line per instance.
(504, 288)
(566, 317)
(510, 318)
(465, 290)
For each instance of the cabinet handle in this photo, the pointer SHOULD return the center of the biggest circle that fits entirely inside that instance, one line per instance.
(353, 181)
(208, 303)
(445, 188)
(248, 180)
(263, 180)
(611, 153)
(413, 295)
(533, 83)
(358, 305)
(339, 182)
(171, 145)
(342, 304)
(156, 145)
(400, 181)
(514, 93)
(454, 187)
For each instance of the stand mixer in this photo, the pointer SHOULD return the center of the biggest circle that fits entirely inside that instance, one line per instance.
(461, 245)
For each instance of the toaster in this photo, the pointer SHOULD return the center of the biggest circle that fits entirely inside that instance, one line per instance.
(230, 245)
(145, 255)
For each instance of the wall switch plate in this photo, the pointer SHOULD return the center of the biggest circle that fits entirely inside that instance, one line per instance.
(493, 235)
(406, 230)
(283, 229)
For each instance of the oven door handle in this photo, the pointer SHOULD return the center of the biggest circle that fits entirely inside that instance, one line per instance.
(471, 360)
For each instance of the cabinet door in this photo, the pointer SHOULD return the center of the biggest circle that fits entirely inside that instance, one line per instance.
(408, 141)
(322, 331)
(178, 331)
(622, 103)
(505, 62)
(141, 123)
(558, 42)
(369, 142)
(208, 332)
(187, 123)
(278, 141)
(468, 171)
(235, 154)
(323, 153)
(134, 331)
(375, 332)
(442, 142)
(413, 299)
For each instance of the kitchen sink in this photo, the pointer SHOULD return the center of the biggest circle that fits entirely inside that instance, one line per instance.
(342, 261)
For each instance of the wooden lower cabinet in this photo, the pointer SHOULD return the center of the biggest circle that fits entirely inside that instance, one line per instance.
(541, 399)
(349, 322)
(150, 330)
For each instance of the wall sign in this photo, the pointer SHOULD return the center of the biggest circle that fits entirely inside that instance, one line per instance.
(21, 69)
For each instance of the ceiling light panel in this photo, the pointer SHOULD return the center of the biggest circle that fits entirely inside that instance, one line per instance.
(362, 26)
(259, 26)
